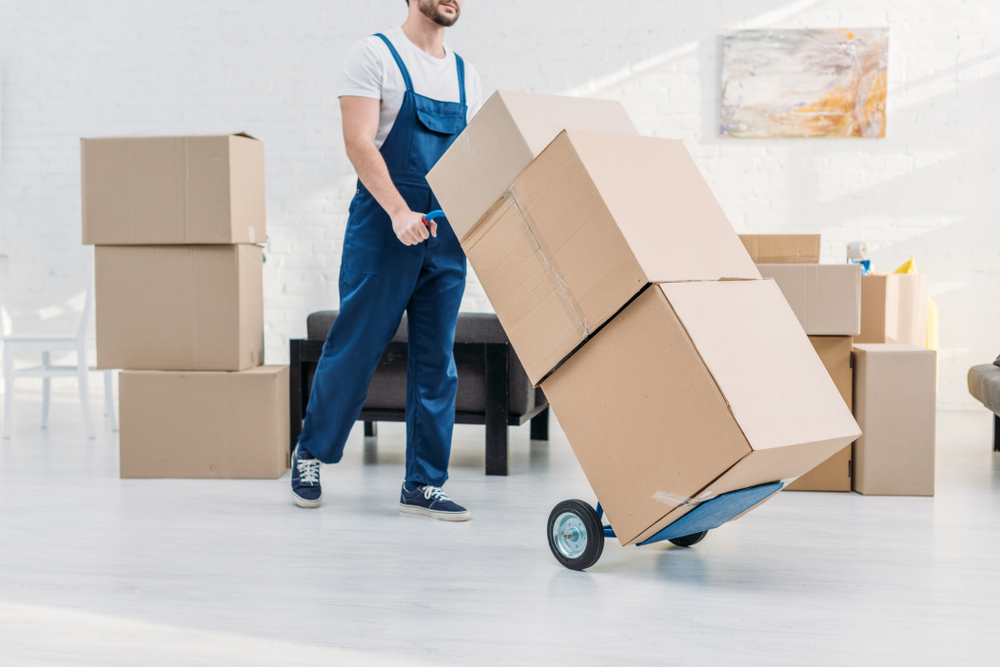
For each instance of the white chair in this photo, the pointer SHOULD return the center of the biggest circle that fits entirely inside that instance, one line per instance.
(46, 344)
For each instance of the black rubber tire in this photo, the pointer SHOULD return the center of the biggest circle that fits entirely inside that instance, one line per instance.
(689, 540)
(595, 534)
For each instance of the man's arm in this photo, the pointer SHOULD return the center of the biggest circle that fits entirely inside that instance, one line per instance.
(361, 115)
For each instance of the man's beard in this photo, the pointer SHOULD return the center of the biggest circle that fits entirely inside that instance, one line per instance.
(429, 8)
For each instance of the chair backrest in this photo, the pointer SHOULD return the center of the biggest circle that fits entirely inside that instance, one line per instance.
(81, 332)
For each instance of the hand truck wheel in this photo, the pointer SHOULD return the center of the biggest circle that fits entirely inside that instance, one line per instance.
(689, 540)
(576, 536)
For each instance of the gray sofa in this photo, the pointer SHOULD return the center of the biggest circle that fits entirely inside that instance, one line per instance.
(493, 388)
(984, 385)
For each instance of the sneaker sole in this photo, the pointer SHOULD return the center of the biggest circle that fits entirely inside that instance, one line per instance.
(307, 504)
(442, 516)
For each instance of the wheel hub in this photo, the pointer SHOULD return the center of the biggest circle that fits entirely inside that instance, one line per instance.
(569, 535)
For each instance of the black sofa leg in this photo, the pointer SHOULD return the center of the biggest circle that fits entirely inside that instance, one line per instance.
(496, 409)
(996, 432)
(540, 425)
(371, 429)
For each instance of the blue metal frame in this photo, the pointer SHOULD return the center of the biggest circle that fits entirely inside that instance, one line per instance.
(608, 530)
(708, 515)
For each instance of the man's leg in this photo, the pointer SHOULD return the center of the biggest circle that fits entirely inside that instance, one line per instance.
(432, 382)
(371, 309)
(432, 379)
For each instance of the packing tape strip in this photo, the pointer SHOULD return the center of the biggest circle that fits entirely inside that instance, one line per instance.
(674, 500)
(559, 284)
(465, 145)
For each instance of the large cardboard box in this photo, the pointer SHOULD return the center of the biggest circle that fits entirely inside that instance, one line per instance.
(782, 248)
(501, 141)
(826, 298)
(894, 309)
(206, 424)
(694, 390)
(185, 308)
(591, 221)
(173, 190)
(894, 403)
(834, 474)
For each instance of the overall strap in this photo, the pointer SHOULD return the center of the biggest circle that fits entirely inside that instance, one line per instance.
(399, 61)
(460, 66)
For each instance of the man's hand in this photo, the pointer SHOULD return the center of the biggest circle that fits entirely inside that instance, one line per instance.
(410, 228)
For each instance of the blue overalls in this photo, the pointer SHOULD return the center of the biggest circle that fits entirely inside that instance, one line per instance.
(380, 278)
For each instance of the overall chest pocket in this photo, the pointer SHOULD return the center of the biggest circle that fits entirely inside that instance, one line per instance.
(437, 126)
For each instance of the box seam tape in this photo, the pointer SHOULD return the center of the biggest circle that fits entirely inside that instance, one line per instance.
(541, 250)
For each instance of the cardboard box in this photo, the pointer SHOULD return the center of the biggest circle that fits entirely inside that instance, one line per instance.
(826, 298)
(894, 403)
(782, 248)
(694, 390)
(173, 190)
(501, 141)
(591, 221)
(894, 309)
(186, 308)
(834, 474)
(205, 425)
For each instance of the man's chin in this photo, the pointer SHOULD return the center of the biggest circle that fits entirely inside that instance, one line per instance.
(446, 20)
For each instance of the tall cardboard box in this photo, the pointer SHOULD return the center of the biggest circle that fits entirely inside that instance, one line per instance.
(592, 220)
(179, 307)
(694, 390)
(782, 248)
(834, 474)
(501, 141)
(173, 190)
(205, 425)
(894, 403)
(894, 309)
(826, 298)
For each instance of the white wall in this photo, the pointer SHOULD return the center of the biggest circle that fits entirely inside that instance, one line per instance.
(110, 67)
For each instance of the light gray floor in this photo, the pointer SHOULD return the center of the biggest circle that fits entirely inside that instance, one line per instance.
(99, 571)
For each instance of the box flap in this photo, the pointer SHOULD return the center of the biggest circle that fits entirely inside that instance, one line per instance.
(775, 384)
(663, 207)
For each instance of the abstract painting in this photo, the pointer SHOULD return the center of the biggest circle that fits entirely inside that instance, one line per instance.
(804, 83)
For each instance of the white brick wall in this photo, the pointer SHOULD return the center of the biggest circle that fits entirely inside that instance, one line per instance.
(110, 67)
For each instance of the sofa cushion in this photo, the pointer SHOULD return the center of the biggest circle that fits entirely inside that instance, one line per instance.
(984, 385)
(471, 327)
(387, 389)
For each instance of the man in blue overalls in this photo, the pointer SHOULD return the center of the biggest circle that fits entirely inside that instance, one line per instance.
(405, 96)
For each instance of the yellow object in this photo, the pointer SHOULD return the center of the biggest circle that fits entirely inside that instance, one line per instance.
(909, 266)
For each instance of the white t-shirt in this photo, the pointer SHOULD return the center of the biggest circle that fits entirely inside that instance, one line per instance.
(371, 71)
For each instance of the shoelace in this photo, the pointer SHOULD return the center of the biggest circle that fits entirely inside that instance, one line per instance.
(309, 471)
(436, 493)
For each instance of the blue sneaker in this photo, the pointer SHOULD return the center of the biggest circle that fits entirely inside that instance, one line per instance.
(431, 501)
(306, 491)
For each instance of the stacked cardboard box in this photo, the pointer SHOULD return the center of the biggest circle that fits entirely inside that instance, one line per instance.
(894, 309)
(179, 303)
(677, 373)
(826, 299)
(895, 406)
